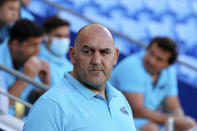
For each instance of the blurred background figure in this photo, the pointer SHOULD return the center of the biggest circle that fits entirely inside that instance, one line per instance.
(147, 79)
(56, 47)
(20, 54)
(9, 13)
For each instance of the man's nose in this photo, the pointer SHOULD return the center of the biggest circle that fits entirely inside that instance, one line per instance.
(96, 59)
(152, 60)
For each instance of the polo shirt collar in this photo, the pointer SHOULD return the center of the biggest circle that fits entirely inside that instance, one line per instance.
(87, 93)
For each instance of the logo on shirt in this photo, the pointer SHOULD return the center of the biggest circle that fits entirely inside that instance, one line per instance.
(162, 87)
(124, 110)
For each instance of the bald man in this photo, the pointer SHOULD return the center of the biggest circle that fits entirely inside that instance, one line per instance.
(84, 100)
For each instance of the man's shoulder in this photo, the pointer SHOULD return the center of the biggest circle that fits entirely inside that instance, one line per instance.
(61, 89)
(132, 61)
(169, 70)
(62, 92)
(133, 64)
(5, 54)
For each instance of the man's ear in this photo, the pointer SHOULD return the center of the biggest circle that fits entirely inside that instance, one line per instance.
(72, 54)
(116, 55)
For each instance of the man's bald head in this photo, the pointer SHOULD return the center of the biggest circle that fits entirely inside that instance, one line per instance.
(93, 56)
(93, 30)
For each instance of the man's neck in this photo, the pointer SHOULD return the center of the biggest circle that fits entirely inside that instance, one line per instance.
(155, 77)
(98, 90)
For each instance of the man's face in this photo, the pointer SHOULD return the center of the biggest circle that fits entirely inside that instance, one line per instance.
(93, 58)
(9, 12)
(60, 32)
(156, 59)
(28, 48)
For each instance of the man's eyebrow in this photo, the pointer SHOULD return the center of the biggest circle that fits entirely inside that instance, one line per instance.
(105, 49)
(91, 48)
(88, 47)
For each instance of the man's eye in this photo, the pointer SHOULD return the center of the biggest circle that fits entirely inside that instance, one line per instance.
(87, 51)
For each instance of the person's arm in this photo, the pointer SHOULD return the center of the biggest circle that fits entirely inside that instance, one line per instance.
(139, 110)
(136, 101)
(173, 106)
(31, 68)
(181, 121)
(17, 88)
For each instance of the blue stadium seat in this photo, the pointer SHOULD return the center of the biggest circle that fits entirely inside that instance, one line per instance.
(76, 22)
(192, 51)
(132, 6)
(158, 7)
(105, 5)
(66, 3)
(145, 17)
(94, 14)
(123, 45)
(187, 31)
(133, 29)
(180, 8)
(193, 5)
(189, 74)
(38, 7)
(116, 15)
(157, 28)
(41, 9)
(91, 11)
(79, 3)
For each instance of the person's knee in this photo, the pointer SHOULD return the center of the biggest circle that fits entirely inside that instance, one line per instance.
(150, 126)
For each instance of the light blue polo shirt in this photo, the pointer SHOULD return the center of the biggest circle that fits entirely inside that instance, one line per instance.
(6, 60)
(131, 76)
(58, 65)
(70, 106)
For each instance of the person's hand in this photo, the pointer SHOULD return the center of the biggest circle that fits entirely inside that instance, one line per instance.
(44, 74)
(32, 67)
(184, 122)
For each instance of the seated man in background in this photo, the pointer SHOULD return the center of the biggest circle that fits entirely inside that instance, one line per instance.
(9, 13)
(147, 79)
(20, 53)
(56, 47)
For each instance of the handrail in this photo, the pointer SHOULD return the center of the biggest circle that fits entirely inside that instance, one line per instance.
(141, 44)
(24, 77)
(15, 98)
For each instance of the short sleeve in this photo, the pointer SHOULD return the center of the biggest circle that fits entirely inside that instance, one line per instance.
(46, 115)
(172, 83)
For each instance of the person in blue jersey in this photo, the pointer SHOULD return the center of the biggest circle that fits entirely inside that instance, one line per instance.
(19, 53)
(56, 47)
(84, 100)
(147, 79)
(9, 13)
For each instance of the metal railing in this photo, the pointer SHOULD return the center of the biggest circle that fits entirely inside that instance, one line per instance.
(22, 77)
(15, 99)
